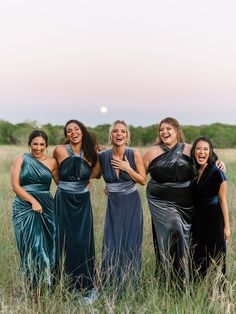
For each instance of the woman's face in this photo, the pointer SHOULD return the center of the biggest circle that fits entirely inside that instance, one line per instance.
(74, 133)
(37, 147)
(119, 135)
(202, 152)
(168, 134)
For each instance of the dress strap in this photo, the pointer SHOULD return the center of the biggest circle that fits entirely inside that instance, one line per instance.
(70, 151)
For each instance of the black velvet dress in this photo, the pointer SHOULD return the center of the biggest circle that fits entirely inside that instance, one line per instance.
(170, 201)
(74, 222)
(208, 224)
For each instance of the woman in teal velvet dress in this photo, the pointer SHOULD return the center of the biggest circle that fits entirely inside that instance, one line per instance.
(33, 212)
(75, 251)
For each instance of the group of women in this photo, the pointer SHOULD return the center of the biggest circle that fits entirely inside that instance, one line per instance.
(55, 236)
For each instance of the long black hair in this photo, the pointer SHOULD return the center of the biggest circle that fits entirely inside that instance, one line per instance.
(88, 141)
(212, 155)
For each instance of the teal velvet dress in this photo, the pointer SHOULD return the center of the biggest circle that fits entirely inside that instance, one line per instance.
(75, 251)
(35, 232)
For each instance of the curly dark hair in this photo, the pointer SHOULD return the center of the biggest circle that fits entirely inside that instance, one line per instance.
(212, 155)
(88, 141)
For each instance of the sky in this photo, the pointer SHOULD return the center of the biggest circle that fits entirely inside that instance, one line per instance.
(142, 59)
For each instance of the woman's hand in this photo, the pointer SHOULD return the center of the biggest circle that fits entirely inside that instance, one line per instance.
(36, 207)
(121, 164)
(221, 165)
(227, 233)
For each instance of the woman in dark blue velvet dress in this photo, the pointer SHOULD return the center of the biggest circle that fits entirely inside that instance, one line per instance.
(33, 212)
(210, 226)
(74, 219)
(122, 167)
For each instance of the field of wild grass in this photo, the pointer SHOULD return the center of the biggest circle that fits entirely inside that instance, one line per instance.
(150, 297)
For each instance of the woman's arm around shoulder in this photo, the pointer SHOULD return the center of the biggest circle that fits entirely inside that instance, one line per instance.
(96, 171)
(140, 167)
(54, 169)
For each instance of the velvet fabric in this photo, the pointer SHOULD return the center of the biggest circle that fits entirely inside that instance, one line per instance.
(208, 225)
(75, 250)
(123, 230)
(35, 232)
(170, 201)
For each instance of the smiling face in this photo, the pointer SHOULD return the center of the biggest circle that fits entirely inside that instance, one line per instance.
(37, 147)
(168, 134)
(119, 135)
(202, 152)
(74, 133)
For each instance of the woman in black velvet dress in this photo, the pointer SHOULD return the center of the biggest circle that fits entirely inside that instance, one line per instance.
(210, 219)
(170, 198)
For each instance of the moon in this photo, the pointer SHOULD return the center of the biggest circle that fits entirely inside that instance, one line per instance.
(103, 109)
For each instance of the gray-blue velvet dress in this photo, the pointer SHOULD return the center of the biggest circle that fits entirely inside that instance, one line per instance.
(123, 230)
(35, 232)
(74, 222)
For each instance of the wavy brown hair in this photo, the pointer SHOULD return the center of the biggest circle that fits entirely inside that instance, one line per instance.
(176, 126)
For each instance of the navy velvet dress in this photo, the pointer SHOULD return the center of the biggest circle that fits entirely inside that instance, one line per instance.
(208, 223)
(74, 222)
(123, 230)
(170, 201)
(35, 232)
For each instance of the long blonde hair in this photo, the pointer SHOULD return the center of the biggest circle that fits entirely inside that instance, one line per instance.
(112, 128)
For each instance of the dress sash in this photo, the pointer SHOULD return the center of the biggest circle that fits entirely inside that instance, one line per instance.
(77, 187)
(122, 188)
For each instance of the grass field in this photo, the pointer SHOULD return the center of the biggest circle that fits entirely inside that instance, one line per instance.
(150, 297)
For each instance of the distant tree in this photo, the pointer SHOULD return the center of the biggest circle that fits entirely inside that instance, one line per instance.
(191, 132)
(6, 133)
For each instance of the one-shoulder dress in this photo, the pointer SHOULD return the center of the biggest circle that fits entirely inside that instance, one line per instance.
(35, 232)
(170, 201)
(75, 252)
(123, 229)
(208, 224)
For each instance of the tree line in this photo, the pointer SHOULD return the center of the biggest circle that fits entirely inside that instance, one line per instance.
(221, 135)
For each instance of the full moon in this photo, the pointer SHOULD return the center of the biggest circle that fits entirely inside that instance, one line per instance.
(103, 109)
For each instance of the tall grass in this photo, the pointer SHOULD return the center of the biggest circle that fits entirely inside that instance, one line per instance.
(151, 296)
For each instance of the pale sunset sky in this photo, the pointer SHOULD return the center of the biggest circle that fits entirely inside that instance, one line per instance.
(142, 59)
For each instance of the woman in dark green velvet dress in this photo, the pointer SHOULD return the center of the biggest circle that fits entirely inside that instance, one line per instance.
(75, 251)
(33, 213)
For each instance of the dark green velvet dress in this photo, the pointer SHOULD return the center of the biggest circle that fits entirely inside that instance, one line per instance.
(74, 222)
(35, 232)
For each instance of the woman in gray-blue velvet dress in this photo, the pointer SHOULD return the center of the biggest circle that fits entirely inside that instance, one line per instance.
(33, 210)
(122, 167)
(75, 250)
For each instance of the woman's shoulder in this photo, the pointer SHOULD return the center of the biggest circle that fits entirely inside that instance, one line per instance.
(187, 149)
(152, 152)
(19, 158)
(60, 147)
